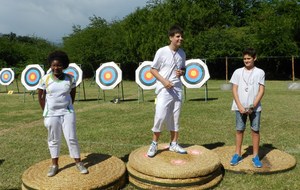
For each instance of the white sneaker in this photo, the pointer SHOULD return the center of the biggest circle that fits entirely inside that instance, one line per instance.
(152, 149)
(177, 148)
(52, 170)
(82, 169)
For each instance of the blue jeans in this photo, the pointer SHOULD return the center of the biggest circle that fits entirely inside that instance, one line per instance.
(241, 119)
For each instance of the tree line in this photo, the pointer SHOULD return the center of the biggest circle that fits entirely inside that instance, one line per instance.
(213, 30)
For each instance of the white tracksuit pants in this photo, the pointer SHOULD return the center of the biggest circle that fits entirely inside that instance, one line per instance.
(168, 106)
(55, 126)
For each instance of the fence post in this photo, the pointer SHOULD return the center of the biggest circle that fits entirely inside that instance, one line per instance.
(293, 68)
(226, 63)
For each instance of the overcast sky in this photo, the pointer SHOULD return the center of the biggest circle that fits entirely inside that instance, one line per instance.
(53, 19)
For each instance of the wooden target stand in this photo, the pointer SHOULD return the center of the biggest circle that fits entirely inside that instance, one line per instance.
(200, 168)
(141, 97)
(205, 92)
(120, 85)
(273, 160)
(105, 172)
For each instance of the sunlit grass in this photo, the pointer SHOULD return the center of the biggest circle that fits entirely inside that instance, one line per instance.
(118, 129)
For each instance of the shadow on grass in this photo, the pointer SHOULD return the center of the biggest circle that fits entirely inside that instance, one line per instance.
(263, 151)
(89, 100)
(1, 162)
(201, 99)
(90, 160)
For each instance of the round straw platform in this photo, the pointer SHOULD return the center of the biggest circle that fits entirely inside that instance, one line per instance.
(150, 182)
(200, 168)
(105, 172)
(273, 160)
(166, 164)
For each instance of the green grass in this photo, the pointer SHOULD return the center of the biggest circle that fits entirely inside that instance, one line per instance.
(118, 129)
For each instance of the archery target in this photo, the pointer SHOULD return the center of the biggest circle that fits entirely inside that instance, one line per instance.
(108, 75)
(75, 71)
(143, 76)
(196, 73)
(31, 76)
(7, 75)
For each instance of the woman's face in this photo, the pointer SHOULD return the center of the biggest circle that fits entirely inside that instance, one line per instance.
(57, 68)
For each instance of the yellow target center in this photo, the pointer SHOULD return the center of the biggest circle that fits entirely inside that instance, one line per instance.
(5, 76)
(149, 75)
(193, 73)
(32, 77)
(107, 75)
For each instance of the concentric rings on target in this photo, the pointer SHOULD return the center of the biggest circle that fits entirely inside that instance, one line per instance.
(7, 76)
(31, 76)
(75, 71)
(196, 73)
(108, 75)
(144, 77)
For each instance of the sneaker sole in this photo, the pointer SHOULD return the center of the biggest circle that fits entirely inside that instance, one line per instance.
(178, 152)
(256, 165)
(150, 156)
(236, 163)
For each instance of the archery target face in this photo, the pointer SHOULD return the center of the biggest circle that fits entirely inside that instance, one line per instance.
(196, 73)
(31, 76)
(143, 76)
(7, 76)
(75, 71)
(108, 75)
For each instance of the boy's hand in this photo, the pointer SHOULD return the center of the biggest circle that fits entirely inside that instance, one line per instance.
(179, 72)
(242, 110)
(167, 84)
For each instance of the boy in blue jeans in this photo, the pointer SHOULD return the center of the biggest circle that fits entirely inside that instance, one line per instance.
(248, 87)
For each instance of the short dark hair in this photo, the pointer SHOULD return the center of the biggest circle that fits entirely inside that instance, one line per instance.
(60, 56)
(175, 29)
(249, 51)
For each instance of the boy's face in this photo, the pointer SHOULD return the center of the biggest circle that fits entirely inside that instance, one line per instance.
(57, 67)
(249, 61)
(176, 40)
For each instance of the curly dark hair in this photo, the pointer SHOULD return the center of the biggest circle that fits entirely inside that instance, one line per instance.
(60, 56)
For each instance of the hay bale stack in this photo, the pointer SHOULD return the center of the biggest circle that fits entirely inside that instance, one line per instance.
(105, 172)
(199, 169)
(273, 160)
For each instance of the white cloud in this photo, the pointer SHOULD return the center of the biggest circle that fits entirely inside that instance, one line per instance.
(53, 19)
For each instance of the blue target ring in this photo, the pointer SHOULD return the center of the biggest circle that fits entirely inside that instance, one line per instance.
(6, 76)
(72, 71)
(32, 76)
(194, 73)
(146, 77)
(108, 76)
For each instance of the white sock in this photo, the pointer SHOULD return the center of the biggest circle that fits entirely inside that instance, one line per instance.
(154, 142)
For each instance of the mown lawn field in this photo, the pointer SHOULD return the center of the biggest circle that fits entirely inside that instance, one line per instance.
(117, 129)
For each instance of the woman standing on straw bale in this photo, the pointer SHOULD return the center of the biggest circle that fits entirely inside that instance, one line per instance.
(56, 94)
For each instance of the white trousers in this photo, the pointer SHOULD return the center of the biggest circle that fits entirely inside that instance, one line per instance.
(168, 106)
(55, 126)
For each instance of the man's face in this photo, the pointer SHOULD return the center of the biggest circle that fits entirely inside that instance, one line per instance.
(176, 40)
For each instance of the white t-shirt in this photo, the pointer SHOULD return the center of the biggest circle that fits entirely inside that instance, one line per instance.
(166, 61)
(58, 99)
(248, 83)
